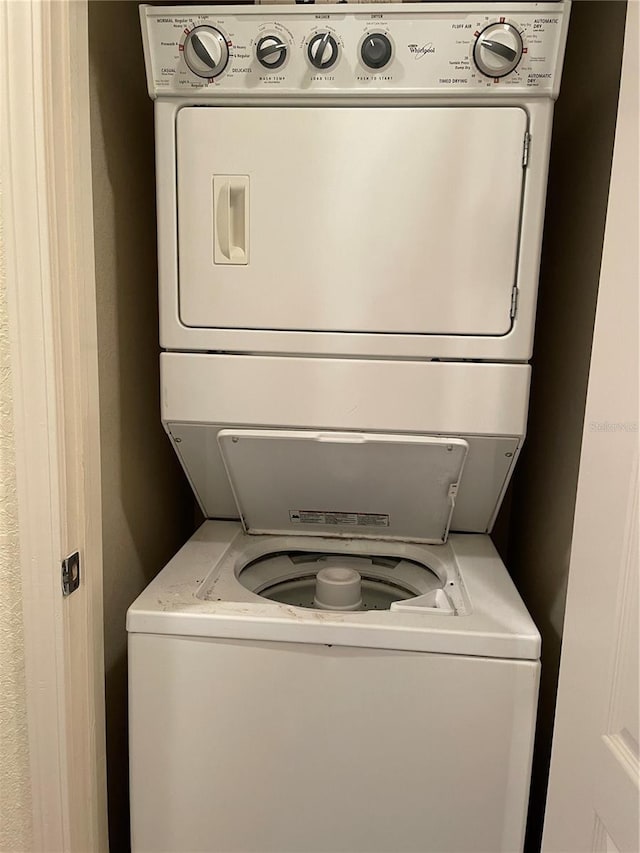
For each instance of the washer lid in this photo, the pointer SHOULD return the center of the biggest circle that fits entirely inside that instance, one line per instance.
(344, 484)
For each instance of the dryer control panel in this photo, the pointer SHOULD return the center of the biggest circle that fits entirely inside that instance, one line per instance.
(443, 49)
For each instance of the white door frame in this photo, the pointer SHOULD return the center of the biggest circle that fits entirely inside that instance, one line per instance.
(48, 237)
(593, 802)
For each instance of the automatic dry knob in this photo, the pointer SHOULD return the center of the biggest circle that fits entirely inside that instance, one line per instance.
(498, 50)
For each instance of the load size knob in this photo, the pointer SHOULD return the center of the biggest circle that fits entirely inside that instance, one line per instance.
(271, 52)
(376, 50)
(498, 50)
(206, 51)
(323, 51)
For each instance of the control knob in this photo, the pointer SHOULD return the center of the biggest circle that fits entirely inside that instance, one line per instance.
(323, 51)
(271, 52)
(206, 51)
(376, 50)
(498, 50)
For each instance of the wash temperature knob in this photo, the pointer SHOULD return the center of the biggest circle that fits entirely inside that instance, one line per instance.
(498, 50)
(271, 52)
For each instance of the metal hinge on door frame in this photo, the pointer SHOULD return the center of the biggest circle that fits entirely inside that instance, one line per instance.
(70, 573)
(514, 302)
(525, 149)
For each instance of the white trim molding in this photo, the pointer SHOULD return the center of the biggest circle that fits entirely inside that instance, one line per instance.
(48, 222)
(593, 802)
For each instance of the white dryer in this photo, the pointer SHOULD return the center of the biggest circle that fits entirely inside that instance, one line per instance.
(353, 183)
(350, 204)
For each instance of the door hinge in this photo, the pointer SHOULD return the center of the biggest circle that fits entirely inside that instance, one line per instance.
(514, 303)
(70, 573)
(525, 149)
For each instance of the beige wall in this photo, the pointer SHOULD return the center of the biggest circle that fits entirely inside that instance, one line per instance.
(147, 506)
(543, 496)
(15, 786)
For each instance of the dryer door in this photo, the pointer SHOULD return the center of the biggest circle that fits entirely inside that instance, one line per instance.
(393, 220)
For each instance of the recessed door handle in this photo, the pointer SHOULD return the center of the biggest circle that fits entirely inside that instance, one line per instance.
(231, 219)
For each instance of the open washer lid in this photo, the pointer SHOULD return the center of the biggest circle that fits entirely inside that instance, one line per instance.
(344, 484)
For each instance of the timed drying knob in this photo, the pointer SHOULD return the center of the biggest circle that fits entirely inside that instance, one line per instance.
(323, 51)
(206, 51)
(271, 52)
(498, 50)
(376, 50)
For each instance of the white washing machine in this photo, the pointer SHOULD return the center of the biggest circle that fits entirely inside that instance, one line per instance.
(350, 203)
(261, 723)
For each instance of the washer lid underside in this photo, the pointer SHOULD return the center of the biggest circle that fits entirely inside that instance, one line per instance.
(378, 486)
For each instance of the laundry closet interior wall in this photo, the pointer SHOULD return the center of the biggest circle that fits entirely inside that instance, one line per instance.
(148, 509)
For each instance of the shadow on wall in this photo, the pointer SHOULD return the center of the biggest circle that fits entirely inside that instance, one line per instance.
(148, 508)
(544, 488)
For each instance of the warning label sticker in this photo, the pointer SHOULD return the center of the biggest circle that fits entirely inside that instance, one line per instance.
(353, 519)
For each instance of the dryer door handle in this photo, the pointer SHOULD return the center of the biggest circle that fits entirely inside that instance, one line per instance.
(231, 219)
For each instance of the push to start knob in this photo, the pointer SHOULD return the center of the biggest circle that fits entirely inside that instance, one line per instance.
(498, 50)
(206, 51)
(271, 52)
(323, 51)
(376, 50)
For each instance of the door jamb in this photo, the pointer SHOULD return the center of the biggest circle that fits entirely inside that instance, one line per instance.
(50, 280)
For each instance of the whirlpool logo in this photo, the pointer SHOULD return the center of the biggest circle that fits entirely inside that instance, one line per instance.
(420, 51)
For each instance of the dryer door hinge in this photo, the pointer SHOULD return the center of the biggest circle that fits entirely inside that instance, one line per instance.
(525, 149)
(514, 303)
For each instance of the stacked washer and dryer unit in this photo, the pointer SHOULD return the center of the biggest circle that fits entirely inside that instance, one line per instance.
(350, 210)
